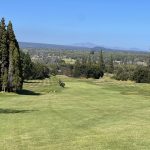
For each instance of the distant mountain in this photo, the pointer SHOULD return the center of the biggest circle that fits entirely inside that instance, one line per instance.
(118, 49)
(79, 46)
(50, 46)
(88, 44)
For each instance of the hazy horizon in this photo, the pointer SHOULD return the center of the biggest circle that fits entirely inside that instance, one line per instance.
(122, 24)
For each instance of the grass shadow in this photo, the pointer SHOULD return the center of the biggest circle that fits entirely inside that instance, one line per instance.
(14, 111)
(31, 82)
(27, 92)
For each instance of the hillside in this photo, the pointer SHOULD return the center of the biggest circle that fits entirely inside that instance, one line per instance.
(79, 47)
(50, 46)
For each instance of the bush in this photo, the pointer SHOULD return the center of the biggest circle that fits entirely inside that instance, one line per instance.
(88, 71)
(124, 72)
(40, 71)
(62, 84)
(139, 74)
(94, 72)
(142, 75)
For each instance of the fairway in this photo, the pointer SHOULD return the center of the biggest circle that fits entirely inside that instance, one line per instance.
(85, 115)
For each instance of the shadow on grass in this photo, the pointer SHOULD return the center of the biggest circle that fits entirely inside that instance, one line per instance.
(14, 111)
(31, 82)
(27, 92)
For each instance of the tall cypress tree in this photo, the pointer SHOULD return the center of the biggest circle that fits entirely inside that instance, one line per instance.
(0, 40)
(15, 70)
(101, 61)
(11, 41)
(27, 65)
(17, 78)
(4, 56)
(10, 60)
(0, 55)
(111, 65)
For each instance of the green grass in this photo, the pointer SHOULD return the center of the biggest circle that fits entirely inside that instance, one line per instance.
(86, 115)
(69, 61)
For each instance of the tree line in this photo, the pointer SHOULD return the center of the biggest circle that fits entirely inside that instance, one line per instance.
(16, 65)
(33, 70)
(137, 73)
(11, 78)
(87, 67)
(90, 67)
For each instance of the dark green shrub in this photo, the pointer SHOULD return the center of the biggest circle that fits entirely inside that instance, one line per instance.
(61, 83)
(142, 75)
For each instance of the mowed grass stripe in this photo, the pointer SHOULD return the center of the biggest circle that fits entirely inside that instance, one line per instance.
(87, 114)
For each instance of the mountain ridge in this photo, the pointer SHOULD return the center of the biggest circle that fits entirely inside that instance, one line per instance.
(24, 45)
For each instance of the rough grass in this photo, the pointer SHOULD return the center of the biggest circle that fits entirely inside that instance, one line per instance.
(69, 61)
(87, 114)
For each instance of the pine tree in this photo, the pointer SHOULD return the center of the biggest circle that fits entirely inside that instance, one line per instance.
(11, 43)
(0, 55)
(111, 65)
(77, 71)
(17, 76)
(5, 81)
(15, 69)
(101, 61)
(10, 60)
(27, 65)
(4, 55)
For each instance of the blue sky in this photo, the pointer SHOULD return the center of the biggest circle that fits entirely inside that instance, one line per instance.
(111, 23)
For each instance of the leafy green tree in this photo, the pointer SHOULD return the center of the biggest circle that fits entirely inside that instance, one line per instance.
(93, 71)
(121, 73)
(124, 72)
(40, 71)
(141, 74)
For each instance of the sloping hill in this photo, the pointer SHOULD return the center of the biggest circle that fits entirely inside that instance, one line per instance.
(49, 46)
